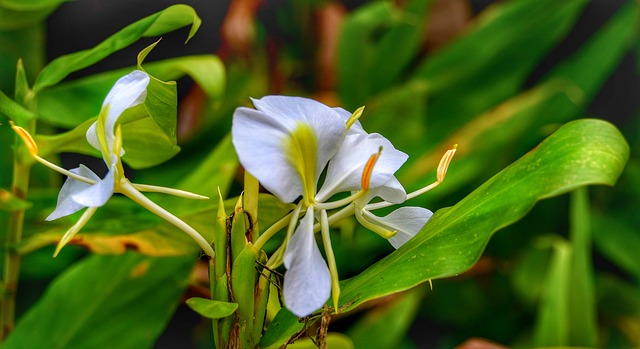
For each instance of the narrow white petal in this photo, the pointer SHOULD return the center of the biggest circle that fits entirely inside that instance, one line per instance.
(347, 166)
(66, 205)
(307, 282)
(129, 91)
(407, 221)
(98, 194)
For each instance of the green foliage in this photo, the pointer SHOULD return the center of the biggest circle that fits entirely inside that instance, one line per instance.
(518, 143)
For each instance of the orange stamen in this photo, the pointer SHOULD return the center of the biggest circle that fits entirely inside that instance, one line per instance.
(368, 169)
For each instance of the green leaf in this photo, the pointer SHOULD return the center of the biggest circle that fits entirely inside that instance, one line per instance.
(169, 19)
(377, 43)
(211, 309)
(580, 153)
(63, 99)
(16, 14)
(129, 298)
(583, 152)
(13, 110)
(617, 238)
(334, 341)
(492, 61)
(583, 325)
(552, 328)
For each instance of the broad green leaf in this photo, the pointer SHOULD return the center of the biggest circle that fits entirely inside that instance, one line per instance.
(169, 19)
(552, 328)
(386, 326)
(103, 300)
(583, 325)
(13, 110)
(580, 153)
(377, 43)
(211, 309)
(492, 61)
(61, 106)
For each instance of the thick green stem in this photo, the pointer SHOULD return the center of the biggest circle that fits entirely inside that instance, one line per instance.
(12, 258)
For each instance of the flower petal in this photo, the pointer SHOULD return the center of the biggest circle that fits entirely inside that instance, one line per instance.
(261, 136)
(98, 194)
(66, 205)
(407, 221)
(129, 91)
(356, 128)
(347, 166)
(307, 282)
(392, 192)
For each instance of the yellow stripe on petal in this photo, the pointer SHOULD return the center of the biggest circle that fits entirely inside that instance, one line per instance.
(301, 149)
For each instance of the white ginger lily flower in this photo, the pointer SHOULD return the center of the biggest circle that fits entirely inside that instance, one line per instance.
(286, 144)
(84, 189)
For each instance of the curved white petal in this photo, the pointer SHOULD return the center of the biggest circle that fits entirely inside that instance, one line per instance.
(346, 169)
(356, 128)
(407, 221)
(307, 282)
(129, 91)
(66, 205)
(98, 194)
(261, 137)
(392, 192)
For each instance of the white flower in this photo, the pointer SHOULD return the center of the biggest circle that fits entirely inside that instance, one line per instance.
(84, 189)
(128, 91)
(286, 142)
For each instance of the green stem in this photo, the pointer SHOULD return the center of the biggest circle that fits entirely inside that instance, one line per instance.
(12, 258)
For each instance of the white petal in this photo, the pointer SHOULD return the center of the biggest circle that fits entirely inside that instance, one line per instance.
(307, 282)
(66, 205)
(129, 91)
(347, 166)
(260, 136)
(356, 128)
(407, 221)
(392, 192)
(98, 194)
(326, 122)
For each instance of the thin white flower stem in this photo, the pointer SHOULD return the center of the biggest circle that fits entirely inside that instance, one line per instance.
(385, 233)
(175, 192)
(331, 259)
(292, 224)
(272, 230)
(88, 213)
(339, 203)
(126, 188)
(63, 171)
